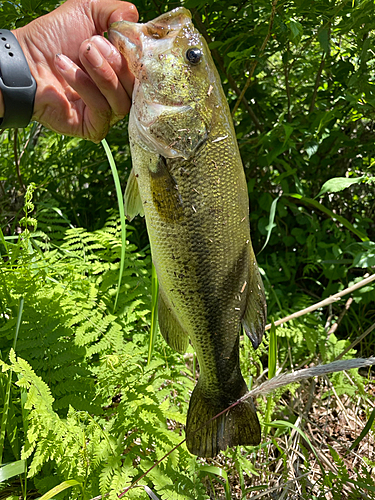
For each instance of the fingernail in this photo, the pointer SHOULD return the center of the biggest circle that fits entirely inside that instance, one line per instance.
(63, 62)
(105, 47)
(93, 56)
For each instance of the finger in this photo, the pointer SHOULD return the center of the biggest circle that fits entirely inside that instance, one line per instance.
(117, 62)
(106, 12)
(108, 70)
(92, 110)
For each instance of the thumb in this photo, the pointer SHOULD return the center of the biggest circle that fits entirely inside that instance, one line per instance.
(106, 12)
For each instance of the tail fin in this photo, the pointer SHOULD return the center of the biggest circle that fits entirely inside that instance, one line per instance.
(237, 426)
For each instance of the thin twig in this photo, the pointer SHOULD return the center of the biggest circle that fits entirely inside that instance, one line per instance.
(287, 87)
(231, 80)
(254, 65)
(269, 490)
(16, 161)
(339, 319)
(317, 82)
(303, 49)
(325, 302)
(2, 189)
(356, 341)
(338, 400)
(31, 137)
(153, 466)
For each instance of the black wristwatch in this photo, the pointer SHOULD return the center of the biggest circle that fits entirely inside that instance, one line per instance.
(16, 83)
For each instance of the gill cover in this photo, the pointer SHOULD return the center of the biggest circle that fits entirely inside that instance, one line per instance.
(165, 55)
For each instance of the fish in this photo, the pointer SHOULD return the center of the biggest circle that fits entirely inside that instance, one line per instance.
(189, 183)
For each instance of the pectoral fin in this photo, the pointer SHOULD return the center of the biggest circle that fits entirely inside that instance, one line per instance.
(165, 194)
(132, 203)
(254, 318)
(170, 327)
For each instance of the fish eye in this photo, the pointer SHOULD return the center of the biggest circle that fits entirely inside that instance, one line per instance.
(194, 55)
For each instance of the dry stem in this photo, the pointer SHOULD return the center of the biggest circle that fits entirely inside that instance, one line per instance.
(324, 302)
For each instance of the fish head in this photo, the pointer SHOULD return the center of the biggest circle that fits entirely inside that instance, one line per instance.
(174, 75)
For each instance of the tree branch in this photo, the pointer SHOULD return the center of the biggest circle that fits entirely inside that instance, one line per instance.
(356, 341)
(339, 319)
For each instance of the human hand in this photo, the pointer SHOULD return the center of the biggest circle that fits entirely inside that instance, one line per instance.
(83, 83)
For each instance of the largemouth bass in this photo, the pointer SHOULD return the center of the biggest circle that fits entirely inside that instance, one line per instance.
(189, 181)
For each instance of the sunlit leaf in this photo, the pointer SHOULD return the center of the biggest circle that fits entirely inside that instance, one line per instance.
(59, 488)
(13, 469)
(338, 184)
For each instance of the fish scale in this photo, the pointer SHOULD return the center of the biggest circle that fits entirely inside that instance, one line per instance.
(189, 182)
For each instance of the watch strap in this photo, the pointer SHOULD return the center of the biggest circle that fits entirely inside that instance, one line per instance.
(17, 85)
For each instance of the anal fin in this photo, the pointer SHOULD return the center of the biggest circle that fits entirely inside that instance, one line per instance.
(172, 331)
(255, 315)
(132, 200)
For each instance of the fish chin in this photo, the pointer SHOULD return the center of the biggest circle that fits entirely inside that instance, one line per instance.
(126, 37)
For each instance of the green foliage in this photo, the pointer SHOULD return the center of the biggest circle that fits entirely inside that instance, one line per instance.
(102, 420)
(84, 404)
(364, 486)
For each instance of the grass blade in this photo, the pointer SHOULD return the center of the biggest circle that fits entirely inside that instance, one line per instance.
(2, 240)
(272, 352)
(284, 423)
(154, 313)
(9, 384)
(120, 201)
(272, 364)
(218, 471)
(59, 488)
(365, 430)
(13, 469)
(19, 318)
(271, 223)
(150, 493)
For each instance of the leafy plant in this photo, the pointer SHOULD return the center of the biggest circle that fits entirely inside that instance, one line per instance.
(95, 403)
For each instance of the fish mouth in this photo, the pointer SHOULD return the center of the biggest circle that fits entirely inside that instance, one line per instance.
(125, 36)
(129, 37)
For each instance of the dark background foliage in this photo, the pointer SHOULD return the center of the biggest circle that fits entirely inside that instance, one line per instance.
(307, 116)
